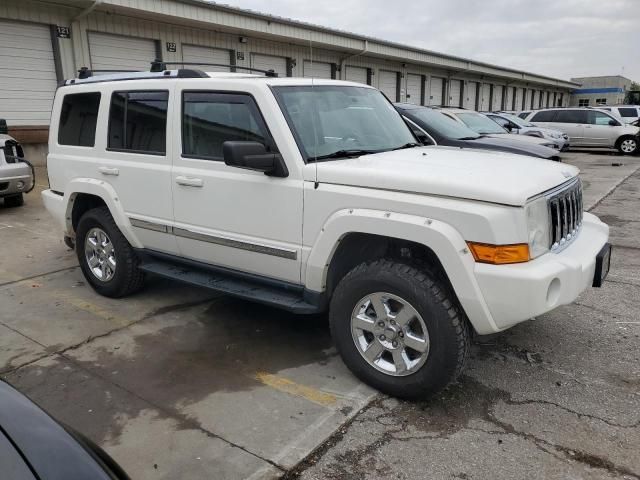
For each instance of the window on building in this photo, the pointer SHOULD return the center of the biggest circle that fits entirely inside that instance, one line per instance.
(601, 101)
(545, 116)
(210, 119)
(571, 116)
(138, 121)
(78, 118)
(583, 102)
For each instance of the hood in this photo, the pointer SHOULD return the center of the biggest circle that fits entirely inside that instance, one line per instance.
(507, 144)
(521, 138)
(448, 171)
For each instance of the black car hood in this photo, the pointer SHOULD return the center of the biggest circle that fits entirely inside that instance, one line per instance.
(50, 450)
(511, 146)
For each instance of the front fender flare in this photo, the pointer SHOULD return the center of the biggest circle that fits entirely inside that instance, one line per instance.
(443, 239)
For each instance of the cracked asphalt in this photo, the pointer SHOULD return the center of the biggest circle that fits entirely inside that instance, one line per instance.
(179, 382)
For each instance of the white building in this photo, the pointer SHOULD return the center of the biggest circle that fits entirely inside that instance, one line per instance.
(45, 41)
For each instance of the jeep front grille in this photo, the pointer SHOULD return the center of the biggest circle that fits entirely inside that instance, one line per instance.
(565, 214)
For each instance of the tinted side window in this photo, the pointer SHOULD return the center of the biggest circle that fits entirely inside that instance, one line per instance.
(78, 118)
(628, 112)
(138, 121)
(599, 118)
(571, 116)
(545, 116)
(210, 119)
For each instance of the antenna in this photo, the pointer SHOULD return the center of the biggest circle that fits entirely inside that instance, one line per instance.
(313, 122)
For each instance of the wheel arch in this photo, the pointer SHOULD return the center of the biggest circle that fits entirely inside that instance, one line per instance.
(83, 195)
(353, 236)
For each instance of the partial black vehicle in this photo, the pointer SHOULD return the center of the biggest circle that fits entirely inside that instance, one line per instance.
(432, 127)
(33, 446)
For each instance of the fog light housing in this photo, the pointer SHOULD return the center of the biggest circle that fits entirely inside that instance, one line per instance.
(20, 184)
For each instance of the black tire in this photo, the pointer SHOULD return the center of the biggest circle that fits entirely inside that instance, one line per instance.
(127, 277)
(623, 144)
(446, 324)
(13, 201)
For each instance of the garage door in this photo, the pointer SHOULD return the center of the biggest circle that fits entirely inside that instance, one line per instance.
(472, 95)
(356, 74)
(455, 92)
(388, 84)
(316, 69)
(28, 76)
(497, 97)
(115, 52)
(195, 53)
(485, 97)
(414, 88)
(269, 62)
(435, 91)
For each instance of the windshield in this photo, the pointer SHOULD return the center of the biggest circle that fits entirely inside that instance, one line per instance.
(517, 120)
(480, 124)
(441, 124)
(339, 121)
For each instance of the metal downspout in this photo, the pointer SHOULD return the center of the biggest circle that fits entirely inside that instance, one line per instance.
(343, 62)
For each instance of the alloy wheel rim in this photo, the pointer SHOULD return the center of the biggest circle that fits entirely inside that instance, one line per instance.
(628, 146)
(390, 334)
(100, 254)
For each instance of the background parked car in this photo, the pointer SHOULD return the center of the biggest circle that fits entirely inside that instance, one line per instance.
(628, 113)
(17, 175)
(514, 124)
(485, 126)
(33, 446)
(590, 127)
(433, 127)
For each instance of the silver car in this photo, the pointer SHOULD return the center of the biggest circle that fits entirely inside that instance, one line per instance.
(16, 174)
(590, 127)
(514, 124)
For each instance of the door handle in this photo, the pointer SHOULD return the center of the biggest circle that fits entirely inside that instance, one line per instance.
(189, 181)
(109, 171)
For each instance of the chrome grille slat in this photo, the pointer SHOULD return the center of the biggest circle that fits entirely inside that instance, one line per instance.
(565, 215)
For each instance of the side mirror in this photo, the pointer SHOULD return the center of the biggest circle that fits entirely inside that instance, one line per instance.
(613, 123)
(3, 127)
(253, 156)
(423, 139)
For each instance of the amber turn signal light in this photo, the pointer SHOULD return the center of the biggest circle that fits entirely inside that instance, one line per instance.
(499, 254)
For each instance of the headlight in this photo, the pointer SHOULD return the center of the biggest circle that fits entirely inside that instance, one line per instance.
(538, 225)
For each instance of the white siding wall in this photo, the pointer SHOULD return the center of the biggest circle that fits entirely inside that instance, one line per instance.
(483, 104)
(455, 92)
(119, 52)
(497, 97)
(472, 95)
(509, 99)
(356, 74)
(269, 62)
(388, 84)
(436, 87)
(316, 69)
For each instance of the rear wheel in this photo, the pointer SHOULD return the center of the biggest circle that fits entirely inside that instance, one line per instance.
(628, 145)
(107, 260)
(398, 329)
(12, 201)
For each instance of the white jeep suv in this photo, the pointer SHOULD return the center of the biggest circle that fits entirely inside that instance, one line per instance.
(312, 196)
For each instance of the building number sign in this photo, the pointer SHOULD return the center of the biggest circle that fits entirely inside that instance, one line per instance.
(63, 32)
(171, 47)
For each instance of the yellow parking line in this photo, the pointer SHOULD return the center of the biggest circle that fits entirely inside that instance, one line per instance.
(94, 309)
(292, 388)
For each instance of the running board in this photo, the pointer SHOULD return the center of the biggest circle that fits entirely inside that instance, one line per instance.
(244, 288)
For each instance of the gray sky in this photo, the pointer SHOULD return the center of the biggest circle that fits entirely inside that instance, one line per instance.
(559, 38)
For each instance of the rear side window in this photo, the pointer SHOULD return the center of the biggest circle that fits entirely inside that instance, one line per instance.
(599, 118)
(209, 119)
(571, 116)
(78, 118)
(544, 116)
(628, 112)
(138, 122)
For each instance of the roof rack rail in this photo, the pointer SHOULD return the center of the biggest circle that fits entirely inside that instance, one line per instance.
(159, 66)
(87, 76)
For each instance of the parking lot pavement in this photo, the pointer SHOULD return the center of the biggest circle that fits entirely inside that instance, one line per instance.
(179, 382)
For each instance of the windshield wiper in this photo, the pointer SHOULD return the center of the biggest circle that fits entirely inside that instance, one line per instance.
(407, 145)
(344, 154)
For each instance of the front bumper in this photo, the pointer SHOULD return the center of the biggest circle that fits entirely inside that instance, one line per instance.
(15, 178)
(515, 293)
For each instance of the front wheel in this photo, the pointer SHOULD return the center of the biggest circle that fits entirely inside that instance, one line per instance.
(628, 145)
(398, 329)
